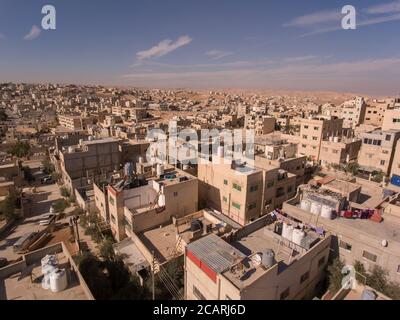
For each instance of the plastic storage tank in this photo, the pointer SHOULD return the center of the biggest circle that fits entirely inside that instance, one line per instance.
(298, 236)
(315, 208)
(58, 281)
(160, 169)
(305, 205)
(161, 200)
(326, 212)
(287, 231)
(268, 258)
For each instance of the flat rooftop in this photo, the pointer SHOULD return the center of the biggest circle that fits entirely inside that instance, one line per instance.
(20, 287)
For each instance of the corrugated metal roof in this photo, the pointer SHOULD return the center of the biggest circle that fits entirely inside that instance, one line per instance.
(217, 254)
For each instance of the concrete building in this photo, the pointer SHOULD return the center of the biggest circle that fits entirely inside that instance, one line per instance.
(353, 112)
(375, 112)
(137, 203)
(258, 262)
(241, 192)
(391, 120)
(314, 131)
(339, 150)
(260, 124)
(377, 150)
(365, 240)
(74, 123)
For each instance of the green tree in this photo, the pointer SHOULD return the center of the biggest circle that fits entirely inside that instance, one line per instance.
(65, 192)
(20, 149)
(106, 250)
(8, 206)
(60, 205)
(335, 275)
(48, 167)
(353, 168)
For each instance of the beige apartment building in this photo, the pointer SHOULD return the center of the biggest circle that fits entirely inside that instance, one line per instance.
(367, 241)
(260, 124)
(375, 112)
(377, 150)
(339, 150)
(257, 262)
(391, 120)
(74, 123)
(241, 192)
(314, 131)
(353, 112)
(136, 203)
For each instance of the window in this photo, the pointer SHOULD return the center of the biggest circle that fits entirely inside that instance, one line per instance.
(175, 194)
(305, 127)
(382, 162)
(225, 199)
(304, 136)
(315, 138)
(237, 187)
(225, 182)
(236, 205)
(285, 294)
(335, 151)
(316, 128)
(388, 137)
(252, 205)
(304, 277)
(198, 294)
(321, 261)
(370, 256)
(113, 219)
(253, 188)
(270, 184)
(111, 200)
(385, 151)
(345, 245)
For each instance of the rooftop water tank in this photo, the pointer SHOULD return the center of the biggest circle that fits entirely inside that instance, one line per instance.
(161, 200)
(287, 231)
(326, 212)
(315, 208)
(160, 169)
(58, 281)
(268, 258)
(305, 205)
(298, 236)
(141, 160)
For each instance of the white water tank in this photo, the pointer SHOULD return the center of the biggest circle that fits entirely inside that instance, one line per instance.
(160, 169)
(298, 236)
(220, 152)
(58, 281)
(161, 200)
(185, 167)
(315, 208)
(305, 205)
(141, 161)
(326, 212)
(287, 231)
(336, 139)
(268, 258)
(71, 149)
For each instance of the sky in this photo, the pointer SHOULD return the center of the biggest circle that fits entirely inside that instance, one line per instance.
(204, 44)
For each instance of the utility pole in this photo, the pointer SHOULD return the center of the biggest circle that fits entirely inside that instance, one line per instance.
(152, 276)
(75, 219)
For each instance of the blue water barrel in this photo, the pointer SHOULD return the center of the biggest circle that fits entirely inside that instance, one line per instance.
(395, 180)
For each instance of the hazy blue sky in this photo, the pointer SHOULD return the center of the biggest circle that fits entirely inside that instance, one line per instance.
(289, 44)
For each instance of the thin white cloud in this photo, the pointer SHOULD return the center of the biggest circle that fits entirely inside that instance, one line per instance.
(164, 47)
(300, 59)
(390, 7)
(319, 17)
(33, 34)
(218, 54)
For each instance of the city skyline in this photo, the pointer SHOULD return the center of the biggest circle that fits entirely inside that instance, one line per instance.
(180, 44)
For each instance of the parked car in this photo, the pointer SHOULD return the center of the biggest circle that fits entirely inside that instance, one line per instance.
(47, 180)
